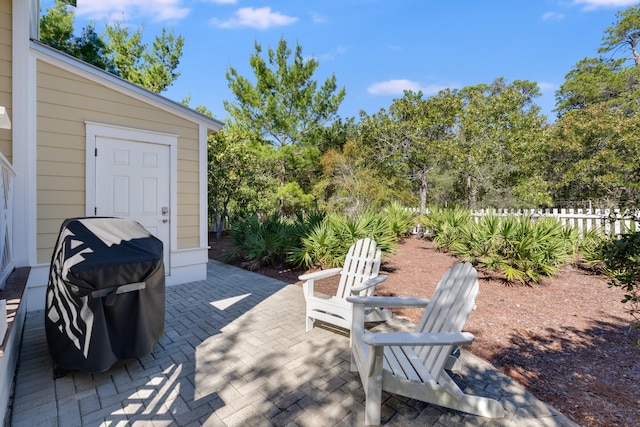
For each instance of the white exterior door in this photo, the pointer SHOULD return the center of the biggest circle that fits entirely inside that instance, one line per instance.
(133, 182)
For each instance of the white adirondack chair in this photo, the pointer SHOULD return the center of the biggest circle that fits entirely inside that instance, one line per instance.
(362, 263)
(413, 364)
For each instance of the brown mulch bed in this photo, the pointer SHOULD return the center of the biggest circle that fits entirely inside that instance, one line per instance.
(567, 339)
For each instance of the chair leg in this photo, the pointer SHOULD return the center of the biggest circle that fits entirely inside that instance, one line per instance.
(373, 404)
(309, 323)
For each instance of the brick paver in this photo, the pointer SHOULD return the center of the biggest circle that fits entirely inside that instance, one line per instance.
(235, 353)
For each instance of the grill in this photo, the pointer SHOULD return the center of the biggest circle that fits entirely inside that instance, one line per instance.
(105, 298)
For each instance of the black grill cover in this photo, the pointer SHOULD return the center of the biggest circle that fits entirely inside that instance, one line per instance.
(105, 296)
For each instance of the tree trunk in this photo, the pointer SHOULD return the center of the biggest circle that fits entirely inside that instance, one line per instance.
(221, 219)
(469, 190)
(634, 48)
(423, 193)
(283, 176)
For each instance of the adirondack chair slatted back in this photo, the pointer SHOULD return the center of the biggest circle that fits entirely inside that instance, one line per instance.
(361, 264)
(448, 310)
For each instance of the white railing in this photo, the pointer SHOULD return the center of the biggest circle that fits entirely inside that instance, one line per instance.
(7, 262)
(613, 222)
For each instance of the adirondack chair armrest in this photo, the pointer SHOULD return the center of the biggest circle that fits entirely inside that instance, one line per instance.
(322, 274)
(369, 283)
(397, 302)
(417, 339)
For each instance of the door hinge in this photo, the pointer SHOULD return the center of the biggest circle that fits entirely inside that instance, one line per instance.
(95, 211)
(96, 153)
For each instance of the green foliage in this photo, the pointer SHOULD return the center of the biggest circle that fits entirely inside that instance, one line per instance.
(320, 246)
(56, 27)
(593, 149)
(411, 140)
(161, 63)
(130, 59)
(285, 104)
(622, 264)
(375, 225)
(497, 145)
(593, 155)
(621, 257)
(520, 248)
(117, 50)
(294, 198)
(327, 244)
(624, 33)
(265, 241)
(89, 47)
(595, 81)
(400, 219)
(606, 80)
(124, 51)
(229, 170)
(590, 249)
(287, 109)
(443, 225)
(349, 183)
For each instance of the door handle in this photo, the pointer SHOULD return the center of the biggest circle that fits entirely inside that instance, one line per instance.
(165, 220)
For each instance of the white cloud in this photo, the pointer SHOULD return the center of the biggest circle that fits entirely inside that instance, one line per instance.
(546, 86)
(318, 18)
(157, 10)
(260, 18)
(397, 87)
(222, 1)
(552, 16)
(597, 4)
(339, 51)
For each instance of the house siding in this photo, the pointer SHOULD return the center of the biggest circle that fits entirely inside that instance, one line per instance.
(65, 102)
(5, 72)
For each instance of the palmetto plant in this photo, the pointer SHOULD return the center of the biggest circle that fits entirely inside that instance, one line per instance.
(328, 243)
(313, 238)
(520, 248)
(320, 247)
(400, 219)
(590, 249)
(445, 224)
(376, 226)
(263, 241)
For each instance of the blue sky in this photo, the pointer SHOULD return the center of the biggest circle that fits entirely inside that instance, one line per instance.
(375, 48)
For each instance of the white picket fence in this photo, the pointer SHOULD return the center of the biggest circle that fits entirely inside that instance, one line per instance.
(613, 222)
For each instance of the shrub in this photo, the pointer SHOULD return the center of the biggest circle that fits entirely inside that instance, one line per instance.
(589, 250)
(320, 247)
(328, 243)
(400, 219)
(443, 225)
(312, 238)
(520, 248)
(376, 226)
(264, 241)
(621, 258)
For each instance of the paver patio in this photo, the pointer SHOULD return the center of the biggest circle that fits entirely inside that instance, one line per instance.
(235, 353)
